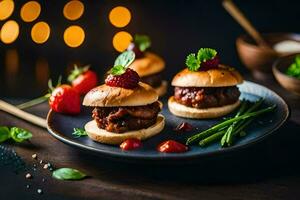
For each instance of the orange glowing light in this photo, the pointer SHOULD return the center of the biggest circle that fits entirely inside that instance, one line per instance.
(40, 32)
(9, 32)
(73, 10)
(74, 36)
(6, 9)
(121, 40)
(30, 11)
(119, 16)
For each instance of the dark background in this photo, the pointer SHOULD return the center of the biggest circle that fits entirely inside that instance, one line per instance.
(176, 28)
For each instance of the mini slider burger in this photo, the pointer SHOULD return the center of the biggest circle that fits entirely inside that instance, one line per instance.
(205, 89)
(124, 107)
(148, 65)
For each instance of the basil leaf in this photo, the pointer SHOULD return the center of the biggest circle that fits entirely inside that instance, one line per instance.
(79, 132)
(125, 59)
(68, 174)
(19, 134)
(4, 133)
(117, 70)
(143, 42)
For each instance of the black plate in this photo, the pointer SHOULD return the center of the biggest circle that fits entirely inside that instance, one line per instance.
(61, 127)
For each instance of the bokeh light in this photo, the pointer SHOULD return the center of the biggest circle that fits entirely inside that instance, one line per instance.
(9, 32)
(40, 32)
(6, 9)
(30, 11)
(121, 40)
(74, 36)
(119, 16)
(73, 10)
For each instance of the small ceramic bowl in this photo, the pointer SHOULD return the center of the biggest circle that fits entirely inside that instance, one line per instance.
(279, 68)
(260, 59)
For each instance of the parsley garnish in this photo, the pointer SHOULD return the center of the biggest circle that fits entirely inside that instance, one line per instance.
(122, 62)
(142, 41)
(294, 68)
(193, 62)
(79, 132)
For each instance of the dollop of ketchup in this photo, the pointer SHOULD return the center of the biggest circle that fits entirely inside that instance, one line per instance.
(184, 126)
(131, 144)
(171, 146)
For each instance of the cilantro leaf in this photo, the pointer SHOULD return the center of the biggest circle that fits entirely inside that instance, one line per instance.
(125, 59)
(142, 41)
(79, 132)
(205, 54)
(192, 62)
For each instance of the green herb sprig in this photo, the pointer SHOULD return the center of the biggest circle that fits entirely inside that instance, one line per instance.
(193, 61)
(294, 68)
(142, 41)
(122, 62)
(79, 132)
(68, 174)
(14, 133)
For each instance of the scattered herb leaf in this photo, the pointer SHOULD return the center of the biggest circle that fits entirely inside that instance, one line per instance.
(142, 41)
(4, 133)
(294, 68)
(19, 134)
(68, 174)
(79, 132)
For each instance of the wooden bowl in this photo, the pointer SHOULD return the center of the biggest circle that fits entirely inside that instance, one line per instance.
(260, 59)
(288, 82)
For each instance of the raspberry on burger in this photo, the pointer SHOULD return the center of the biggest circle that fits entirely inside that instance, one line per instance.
(120, 75)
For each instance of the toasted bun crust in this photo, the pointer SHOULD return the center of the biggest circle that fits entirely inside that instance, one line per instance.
(188, 112)
(162, 89)
(106, 96)
(148, 65)
(221, 77)
(103, 136)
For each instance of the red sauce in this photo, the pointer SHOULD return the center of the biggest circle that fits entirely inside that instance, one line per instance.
(131, 144)
(171, 146)
(184, 126)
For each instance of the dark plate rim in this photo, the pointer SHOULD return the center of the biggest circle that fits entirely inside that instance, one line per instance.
(175, 156)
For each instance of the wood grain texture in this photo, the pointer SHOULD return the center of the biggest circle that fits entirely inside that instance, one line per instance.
(268, 170)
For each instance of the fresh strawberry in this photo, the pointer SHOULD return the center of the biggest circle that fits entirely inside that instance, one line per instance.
(64, 99)
(129, 79)
(83, 79)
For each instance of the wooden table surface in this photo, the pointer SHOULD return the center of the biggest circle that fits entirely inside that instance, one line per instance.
(268, 170)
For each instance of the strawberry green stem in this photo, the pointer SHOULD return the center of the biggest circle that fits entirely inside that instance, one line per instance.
(34, 102)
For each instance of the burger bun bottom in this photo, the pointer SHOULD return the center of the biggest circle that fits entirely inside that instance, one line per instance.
(103, 136)
(196, 113)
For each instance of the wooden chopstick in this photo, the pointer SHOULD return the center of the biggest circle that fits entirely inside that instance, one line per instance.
(237, 14)
(13, 110)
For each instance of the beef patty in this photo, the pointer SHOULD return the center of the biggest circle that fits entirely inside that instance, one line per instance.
(122, 119)
(154, 80)
(206, 97)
